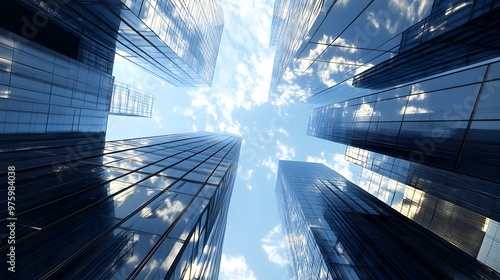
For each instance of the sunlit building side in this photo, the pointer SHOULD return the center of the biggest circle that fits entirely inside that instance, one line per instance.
(56, 57)
(336, 230)
(453, 206)
(131, 101)
(153, 207)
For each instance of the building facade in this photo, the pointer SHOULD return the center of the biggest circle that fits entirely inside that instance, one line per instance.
(153, 207)
(456, 34)
(336, 230)
(56, 57)
(450, 122)
(130, 101)
(178, 41)
(460, 209)
(430, 151)
(327, 49)
(321, 45)
(56, 70)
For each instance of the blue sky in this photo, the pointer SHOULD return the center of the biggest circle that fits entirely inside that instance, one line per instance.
(237, 103)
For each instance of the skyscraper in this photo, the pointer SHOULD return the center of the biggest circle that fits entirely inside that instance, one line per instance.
(336, 230)
(456, 34)
(56, 66)
(326, 47)
(431, 130)
(56, 56)
(321, 45)
(177, 41)
(450, 122)
(153, 207)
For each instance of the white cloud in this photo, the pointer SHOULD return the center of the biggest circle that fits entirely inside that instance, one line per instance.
(284, 151)
(271, 165)
(373, 19)
(235, 268)
(249, 187)
(188, 112)
(209, 127)
(243, 72)
(283, 131)
(158, 119)
(275, 243)
(410, 110)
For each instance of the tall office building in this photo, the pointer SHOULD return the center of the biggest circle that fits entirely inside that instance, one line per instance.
(326, 47)
(56, 57)
(458, 208)
(177, 41)
(457, 33)
(153, 207)
(336, 230)
(450, 122)
(435, 143)
(56, 66)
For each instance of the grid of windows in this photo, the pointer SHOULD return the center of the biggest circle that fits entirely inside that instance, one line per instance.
(444, 203)
(356, 235)
(43, 90)
(449, 122)
(456, 34)
(177, 41)
(147, 207)
(130, 101)
(323, 44)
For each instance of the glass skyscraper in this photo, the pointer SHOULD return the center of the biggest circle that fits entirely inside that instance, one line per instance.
(336, 230)
(456, 207)
(457, 33)
(56, 66)
(153, 207)
(430, 150)
(56, 57)
(326, 49)
(450, 122)
(429, 118)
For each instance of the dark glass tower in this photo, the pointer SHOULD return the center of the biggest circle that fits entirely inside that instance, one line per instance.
(152, 207)
(321, 45)
(56, 66)
(336, 230)
(56, 56)
(457, 33)
(327, 47)
(130, 101)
